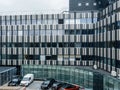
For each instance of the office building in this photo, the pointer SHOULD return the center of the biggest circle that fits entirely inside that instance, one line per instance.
(86, 35)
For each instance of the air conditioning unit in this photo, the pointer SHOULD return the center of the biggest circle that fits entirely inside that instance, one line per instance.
(95, 66)
(113, 73)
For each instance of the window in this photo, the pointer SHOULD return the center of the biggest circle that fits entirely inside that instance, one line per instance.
(54, 21)
(88, 20)
(54, 57)
(67, 32)
(94, 4)
(94, 20)
(77, 21)
(13, 22)
(67, 21)
(78, 32)
(60, 21)
(18, 22)
(72, 21)
(54, 44)
(99, 2)
(61, 45)
(71, 31)
(87, 4)
(42, 32)
(36, 32)
(54, 32)
(71, 44)
(43, 45)
(48, 57)
(29, 79)
(39, 21)
(48, 32)
(50, 22)
(79, 4)
(31, 32)
(3, 22)
(8, 22)
(42, 58)
(25, 33)
(61, 32)
(48, 44)
(83, 20)
(29, 56)
(20, 33)
(77, 44)
(4, 32)
(9, 33)
(33, 21)
(24, 21)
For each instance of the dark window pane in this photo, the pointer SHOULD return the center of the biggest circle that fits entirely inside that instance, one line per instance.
(60, 21)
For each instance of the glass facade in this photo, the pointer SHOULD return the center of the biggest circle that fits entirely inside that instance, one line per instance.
(85, 77)
(111, 84)
(68, 74)
(6, 74)
(47, 42)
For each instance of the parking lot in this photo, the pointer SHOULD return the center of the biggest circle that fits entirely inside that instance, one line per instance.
(34, 86)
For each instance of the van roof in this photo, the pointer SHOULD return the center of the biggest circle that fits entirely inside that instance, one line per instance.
(28, 75)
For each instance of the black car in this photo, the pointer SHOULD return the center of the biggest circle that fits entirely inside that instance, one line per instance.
(15, 81)
(56, 85)
(47, 83)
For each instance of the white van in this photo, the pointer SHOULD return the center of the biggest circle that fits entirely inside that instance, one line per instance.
(27, 79)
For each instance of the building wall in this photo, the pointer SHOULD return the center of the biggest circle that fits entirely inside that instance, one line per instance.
(46, 42)
(79, 38)
(87, 5)
(107, 38)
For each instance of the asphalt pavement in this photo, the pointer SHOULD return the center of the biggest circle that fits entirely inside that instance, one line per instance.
(35, 85)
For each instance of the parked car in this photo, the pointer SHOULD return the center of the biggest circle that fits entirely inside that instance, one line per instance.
(56, 85)
(69, 87)
(47, 83)
(27, 79)
(81, 88)
(15, 81)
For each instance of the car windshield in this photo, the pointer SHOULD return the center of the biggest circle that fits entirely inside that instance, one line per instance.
(25, 79)
(68, 86)
(56, 83)
(46, 82)
(14, 80)
(14, 76)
